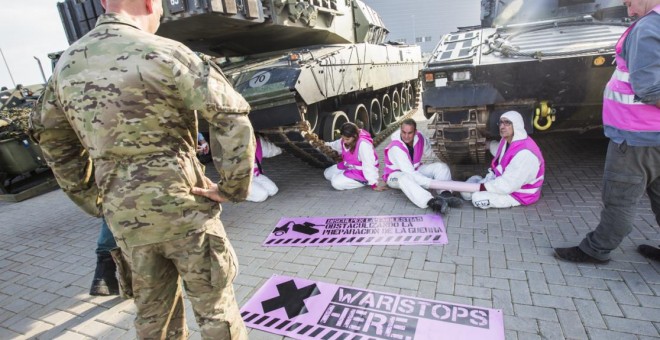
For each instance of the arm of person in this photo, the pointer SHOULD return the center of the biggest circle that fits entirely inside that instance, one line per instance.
(64, 152)
(521, 170)
(369, 168)
(643, 59)
(269, 149)
(203, 87)
(336, 145)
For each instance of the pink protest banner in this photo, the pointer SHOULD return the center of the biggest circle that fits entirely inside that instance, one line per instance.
(359, 230)
(304, 309)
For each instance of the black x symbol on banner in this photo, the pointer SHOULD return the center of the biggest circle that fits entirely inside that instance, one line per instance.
(291, 298)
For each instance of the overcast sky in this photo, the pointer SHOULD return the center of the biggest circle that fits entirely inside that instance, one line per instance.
(28, 29)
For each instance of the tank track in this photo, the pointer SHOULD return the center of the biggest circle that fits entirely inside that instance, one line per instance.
(302, 142)
(459, 137)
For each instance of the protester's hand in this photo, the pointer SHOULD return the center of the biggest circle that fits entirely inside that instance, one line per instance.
(210, 192)
(203, 148)
(380, 186)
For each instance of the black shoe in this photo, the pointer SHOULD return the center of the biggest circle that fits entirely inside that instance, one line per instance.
(650, 252)
(575, 254)
(453, 201)
(438, 204)
(105, 278)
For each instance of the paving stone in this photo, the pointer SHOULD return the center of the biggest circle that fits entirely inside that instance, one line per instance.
(606, 303)
(551, 330)
(589, 313)
(571, 324)
(631, 326)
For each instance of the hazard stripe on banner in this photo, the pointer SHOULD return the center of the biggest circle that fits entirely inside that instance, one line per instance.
(313, 331)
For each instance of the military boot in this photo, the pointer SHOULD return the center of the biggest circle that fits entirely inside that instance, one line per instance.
(105, 277)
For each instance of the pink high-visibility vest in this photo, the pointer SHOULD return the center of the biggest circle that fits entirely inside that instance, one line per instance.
(351, 164)
(528, 193)
(620, 110)
(418, 151)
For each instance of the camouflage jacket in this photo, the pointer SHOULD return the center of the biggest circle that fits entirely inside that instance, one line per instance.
(127, 101)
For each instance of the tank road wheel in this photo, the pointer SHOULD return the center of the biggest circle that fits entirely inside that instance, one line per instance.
(414, 96)
(359, 115)
(312, 117)
(396, 105)
(406, 98)
(375, 117)
(386, 107)
(332, 124)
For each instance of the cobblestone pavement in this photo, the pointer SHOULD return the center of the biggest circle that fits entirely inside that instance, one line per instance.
(497, 258)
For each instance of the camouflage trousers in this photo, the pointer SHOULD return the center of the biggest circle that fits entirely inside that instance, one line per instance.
(207, 266)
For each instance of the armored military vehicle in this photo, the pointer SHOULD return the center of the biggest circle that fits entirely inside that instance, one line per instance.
(547, 59)
(23, 171)
(305, 66)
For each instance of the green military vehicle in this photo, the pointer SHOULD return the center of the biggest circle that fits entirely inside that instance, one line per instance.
(547, 59)
(305, 66)
(23, 171)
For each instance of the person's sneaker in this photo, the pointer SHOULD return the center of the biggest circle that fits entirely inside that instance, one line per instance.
(575, 254)
(452, 201)
(439, 205)
(650, 252)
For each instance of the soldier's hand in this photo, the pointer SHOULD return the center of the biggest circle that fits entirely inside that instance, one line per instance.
(210, 192)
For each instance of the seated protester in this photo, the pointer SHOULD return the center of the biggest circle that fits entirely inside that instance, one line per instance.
(404, 169)
(203, 149)
(261, 186)
(359, 166)
(516, 173)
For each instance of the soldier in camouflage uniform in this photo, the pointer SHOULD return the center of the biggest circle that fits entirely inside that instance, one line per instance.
(128, 100)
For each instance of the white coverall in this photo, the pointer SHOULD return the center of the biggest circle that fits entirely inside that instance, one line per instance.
(522, 170)
(369, 169)
(262, 187)
(413, 183)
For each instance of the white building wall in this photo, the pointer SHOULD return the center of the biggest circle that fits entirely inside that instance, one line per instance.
(423, 22)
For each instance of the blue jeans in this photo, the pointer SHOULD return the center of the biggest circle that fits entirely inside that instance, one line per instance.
(106, 241)
(630, 171)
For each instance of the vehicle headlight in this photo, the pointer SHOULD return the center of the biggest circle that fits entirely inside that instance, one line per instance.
(461, 75)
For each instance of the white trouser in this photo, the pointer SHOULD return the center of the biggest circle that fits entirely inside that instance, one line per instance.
(339, 181)
(485, 199)
(414, 185)
(261, 188)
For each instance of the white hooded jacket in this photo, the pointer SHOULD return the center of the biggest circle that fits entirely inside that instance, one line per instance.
(399, 158)
(522, 169)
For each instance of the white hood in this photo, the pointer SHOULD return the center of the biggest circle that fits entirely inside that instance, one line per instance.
(519, 132)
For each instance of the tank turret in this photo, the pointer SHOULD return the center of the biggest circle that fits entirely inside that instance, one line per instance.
(232, 28)
(305, 66)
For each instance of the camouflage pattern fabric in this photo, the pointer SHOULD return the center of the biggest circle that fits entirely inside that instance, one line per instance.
(127, 101)
(129, 98)
(200, 259)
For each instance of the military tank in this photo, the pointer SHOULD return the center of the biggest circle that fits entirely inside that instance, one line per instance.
(305, 66)
(547, 59)
(23, 170)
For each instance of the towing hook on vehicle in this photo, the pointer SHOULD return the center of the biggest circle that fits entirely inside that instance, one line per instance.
(544, 111)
